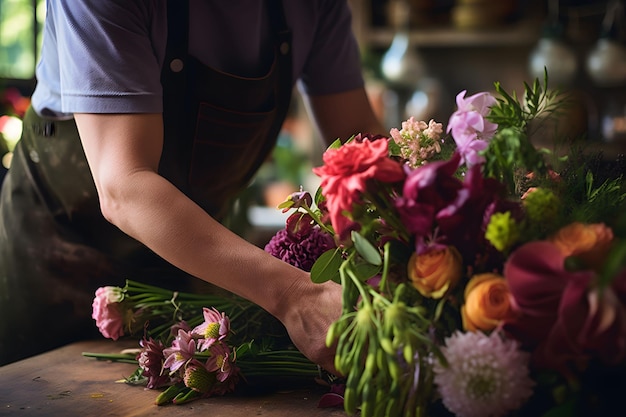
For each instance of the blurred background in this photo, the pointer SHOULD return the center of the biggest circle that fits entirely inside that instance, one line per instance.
(417, 56)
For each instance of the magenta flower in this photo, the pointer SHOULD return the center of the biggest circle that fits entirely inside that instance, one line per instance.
(427, 190)
(560, 313)
(334, 398)
(300, 243)
(470, 128)
(216, 326)
(107, 312)
(182, 350)
(151, 360)
(463, 222)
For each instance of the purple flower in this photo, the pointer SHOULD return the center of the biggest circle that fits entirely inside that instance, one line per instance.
(297, 200)
(150, 360)
(334, 398)
(182, 350)
(427, 190)
(300, 249)
(470, 129)
(216, 326)
(462, 221)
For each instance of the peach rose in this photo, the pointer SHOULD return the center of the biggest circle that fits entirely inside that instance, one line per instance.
(588, 242)
(435, 272)
(487, 302)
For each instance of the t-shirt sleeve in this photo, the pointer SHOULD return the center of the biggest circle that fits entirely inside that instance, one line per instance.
(108, 61)
(333, 64)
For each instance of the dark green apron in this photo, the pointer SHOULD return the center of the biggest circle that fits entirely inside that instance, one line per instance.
(56, 249)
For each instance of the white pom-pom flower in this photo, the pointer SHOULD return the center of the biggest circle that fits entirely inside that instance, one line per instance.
(486, 376)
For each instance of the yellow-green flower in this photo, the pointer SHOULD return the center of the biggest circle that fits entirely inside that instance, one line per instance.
(541, 205)
(502, 231)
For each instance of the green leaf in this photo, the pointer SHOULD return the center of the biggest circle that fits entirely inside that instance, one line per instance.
(365, 271)
(336, 144)
(366, 249)
(614, 263)
(564, 410)
(326, 268)
(285, 204)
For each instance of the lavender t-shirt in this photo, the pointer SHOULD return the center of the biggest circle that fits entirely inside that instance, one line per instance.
(106, 56)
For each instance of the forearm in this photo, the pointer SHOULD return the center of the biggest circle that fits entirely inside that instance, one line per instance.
(357, 115)
(154, 212)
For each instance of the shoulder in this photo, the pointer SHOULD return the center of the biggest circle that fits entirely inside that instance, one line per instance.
(317, 12)
(97, 20)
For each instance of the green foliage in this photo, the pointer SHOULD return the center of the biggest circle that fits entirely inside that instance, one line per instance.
(511, 154)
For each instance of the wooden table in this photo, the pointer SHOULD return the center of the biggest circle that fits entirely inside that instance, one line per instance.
(64, 383)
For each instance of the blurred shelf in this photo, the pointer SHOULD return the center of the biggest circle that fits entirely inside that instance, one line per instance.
(520, 34)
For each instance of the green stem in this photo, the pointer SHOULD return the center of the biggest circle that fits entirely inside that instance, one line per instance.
(115, 357)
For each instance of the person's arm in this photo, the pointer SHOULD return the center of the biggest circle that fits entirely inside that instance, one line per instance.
(123, 151)
(341, 115)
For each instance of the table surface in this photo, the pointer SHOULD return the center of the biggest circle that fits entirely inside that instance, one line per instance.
(65, 383)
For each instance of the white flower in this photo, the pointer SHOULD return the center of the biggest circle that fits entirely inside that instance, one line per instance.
(487, 376)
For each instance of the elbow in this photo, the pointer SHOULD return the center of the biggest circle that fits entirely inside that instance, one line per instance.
(113, 205)
(111, 209)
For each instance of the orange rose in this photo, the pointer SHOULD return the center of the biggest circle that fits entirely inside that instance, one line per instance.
(588, 242)
(487, 302)
(435, 272)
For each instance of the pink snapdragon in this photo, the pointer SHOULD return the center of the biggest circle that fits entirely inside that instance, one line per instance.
(470, 128)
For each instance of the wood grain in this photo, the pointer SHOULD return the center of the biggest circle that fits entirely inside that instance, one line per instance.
(65, 383)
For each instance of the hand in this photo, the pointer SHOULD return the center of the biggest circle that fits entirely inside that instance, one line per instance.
(308, 311)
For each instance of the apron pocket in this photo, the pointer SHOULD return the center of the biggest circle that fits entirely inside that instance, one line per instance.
(228, 147)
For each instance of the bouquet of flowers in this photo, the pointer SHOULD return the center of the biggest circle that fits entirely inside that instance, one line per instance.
(481, 276)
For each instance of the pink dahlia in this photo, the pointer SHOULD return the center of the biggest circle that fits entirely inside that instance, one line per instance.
(347, 170)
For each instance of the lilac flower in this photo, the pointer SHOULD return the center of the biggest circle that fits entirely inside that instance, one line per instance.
(301, 249)
(181, 325)
(150, 360)
(470, 128)
(182, 350)
(485, 376)
(216, 326)
(220, 362)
